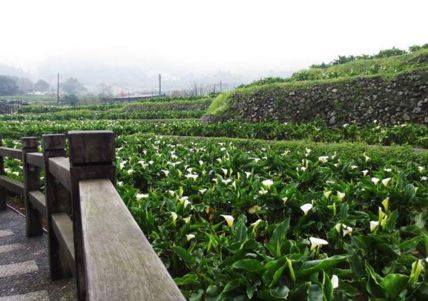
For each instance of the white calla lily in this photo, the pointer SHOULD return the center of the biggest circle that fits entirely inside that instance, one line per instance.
(174, 216)
(267, 183)
(229, 219)
(335, 281)
(373, 225)
(375, 180)
(317, 242)
(142, 196)
(340, 195)
(306, 208)
(386, 181)
(190, 236)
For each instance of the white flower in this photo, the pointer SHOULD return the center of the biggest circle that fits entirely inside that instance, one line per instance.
(346, 230)
(317, 242)
(267, 183)
(166, 172)
(327, 194)
(122, 164)
(256, 223)
(387, 169)
(284, 200)
(174, 216)
(190, 236)
(227, 181)
(254, 209)
(373, 225)
(367, 158)
(385, 203)
(421, 168)
(323, 159)
(120, 183)
(187, 219)
(224, 170)
(386, 181)
(248, 174)
(171, 192)
(335, 281)
(375, 180)
(142, 196)
(202, 191)
(365, 172)
(263, 191)
(308, 151)
(130, 171)
(192, 176)
(340, 195)
(229, 219)
(143, 164)
(184, 200)
(354, 166)
(424, 178)
(306, 207)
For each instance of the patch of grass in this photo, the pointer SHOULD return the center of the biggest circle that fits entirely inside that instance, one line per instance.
(220, 104)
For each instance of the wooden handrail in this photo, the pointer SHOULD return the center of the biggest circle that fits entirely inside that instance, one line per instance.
(91, 233)
(35, 159)
(118, 238)
(11, 152)
(59, 167)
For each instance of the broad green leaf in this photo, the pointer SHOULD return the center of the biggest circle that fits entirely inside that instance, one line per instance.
(278, 238)
(250, 265)
(314, 266)
(393, 284)
(184, 254)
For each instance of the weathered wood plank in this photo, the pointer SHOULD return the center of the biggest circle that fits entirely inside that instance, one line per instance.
(11, 152)
(91, 147)
(35, 159)
(63, 228)
(37, 199)
(34, 224)
(59, 167)
(120, 262)
(12, 185)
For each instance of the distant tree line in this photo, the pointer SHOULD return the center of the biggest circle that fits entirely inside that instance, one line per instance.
(342, 59)
(12, 85)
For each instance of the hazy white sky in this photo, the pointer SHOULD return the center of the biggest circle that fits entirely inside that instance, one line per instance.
(206, 35)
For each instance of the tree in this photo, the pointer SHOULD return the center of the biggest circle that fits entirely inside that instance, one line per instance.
(8, 86)
(41, 86)
(24, 84)
(73, 87)
(71, 99)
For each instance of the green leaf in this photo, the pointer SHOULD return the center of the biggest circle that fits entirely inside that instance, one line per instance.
(233, 284)
(314, 266)
(278, 238)
(275, 294)
(184, 254)
(393, 284)
(327, 287)
(249, 265)
(187, 279)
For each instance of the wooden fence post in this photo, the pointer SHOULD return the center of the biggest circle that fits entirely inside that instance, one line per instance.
(3, 192)
(92, 155)
(57, 200)
(34, 225)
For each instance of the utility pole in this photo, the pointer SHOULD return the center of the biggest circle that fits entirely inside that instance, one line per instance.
(160, 84)
(221, 86)
(57, 89)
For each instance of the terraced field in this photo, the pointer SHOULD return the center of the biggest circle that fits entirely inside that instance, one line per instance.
(265, 211)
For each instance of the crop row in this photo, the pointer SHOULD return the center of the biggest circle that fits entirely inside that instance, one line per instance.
(416, 135)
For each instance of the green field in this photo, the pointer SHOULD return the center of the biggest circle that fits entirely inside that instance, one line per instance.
(264, 211)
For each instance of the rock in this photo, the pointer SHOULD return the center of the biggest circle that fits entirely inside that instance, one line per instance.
(332, 120)
(406, 117)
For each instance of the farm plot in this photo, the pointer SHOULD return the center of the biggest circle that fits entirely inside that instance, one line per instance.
(237, 222)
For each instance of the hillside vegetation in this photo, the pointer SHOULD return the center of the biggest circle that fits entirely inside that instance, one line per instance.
(364, 89)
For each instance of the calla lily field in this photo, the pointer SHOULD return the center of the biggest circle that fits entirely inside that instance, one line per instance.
(234, 218)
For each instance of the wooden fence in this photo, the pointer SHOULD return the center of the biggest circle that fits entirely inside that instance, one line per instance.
(91, 234)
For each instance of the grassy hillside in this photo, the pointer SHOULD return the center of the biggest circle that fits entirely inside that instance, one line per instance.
(386, 67)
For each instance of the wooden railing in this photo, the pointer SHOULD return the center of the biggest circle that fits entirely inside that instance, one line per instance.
(91, 234)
